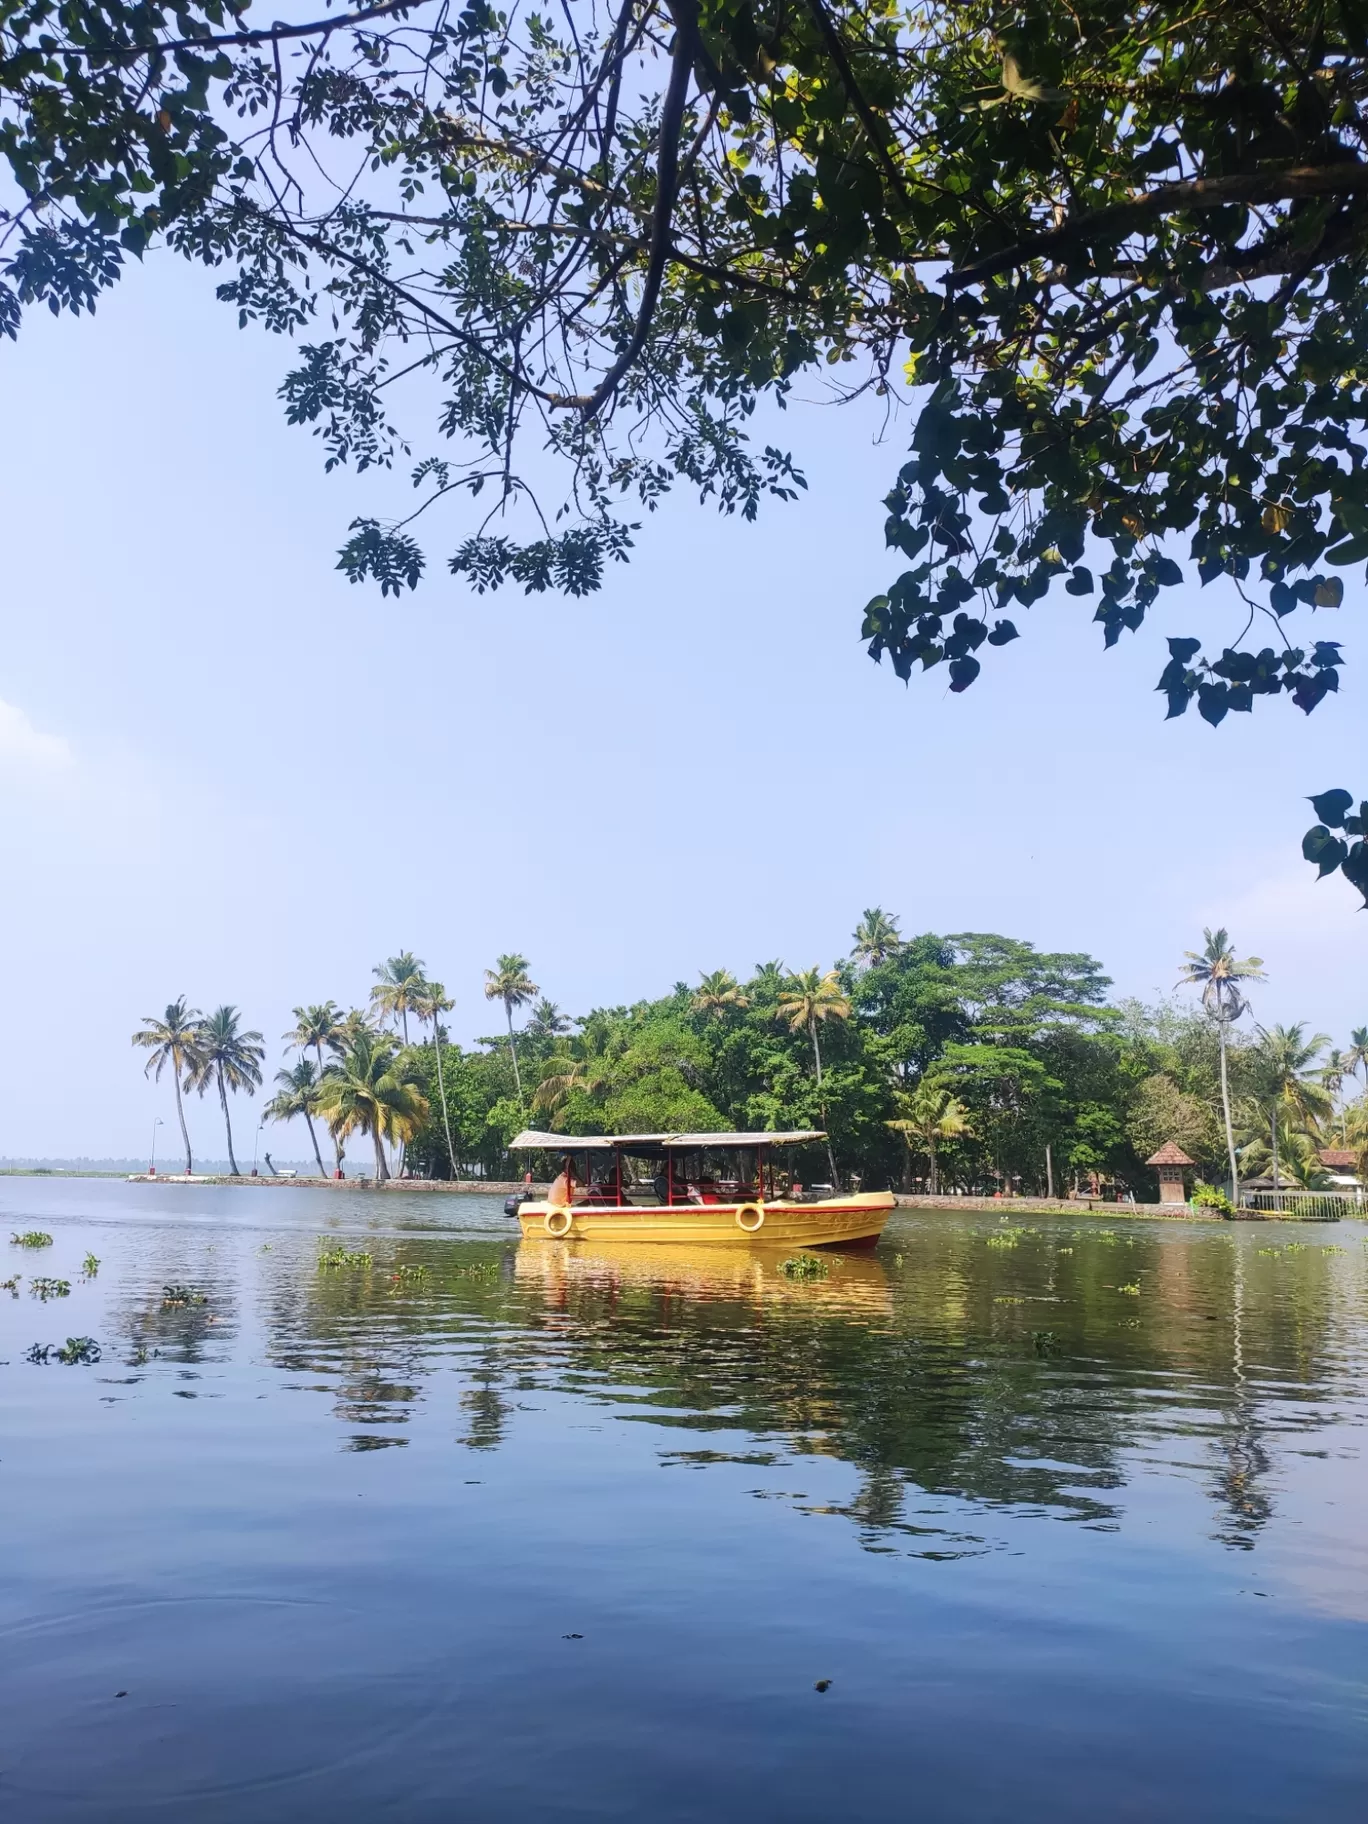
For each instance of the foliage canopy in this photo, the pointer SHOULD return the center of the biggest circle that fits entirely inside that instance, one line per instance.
(1112, 254)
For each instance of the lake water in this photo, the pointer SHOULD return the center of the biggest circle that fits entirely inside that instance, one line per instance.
(550, 1533)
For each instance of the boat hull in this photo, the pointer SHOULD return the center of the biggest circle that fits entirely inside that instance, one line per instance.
(836, 1222)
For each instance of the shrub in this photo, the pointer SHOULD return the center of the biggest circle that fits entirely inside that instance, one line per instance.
(1207, 1197)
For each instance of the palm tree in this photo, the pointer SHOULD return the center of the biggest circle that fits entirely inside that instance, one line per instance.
(354, 1024)
(298, 1095)
(547, 1021)
(877, 937)
(368, 1090)
(173, 1040)
(1287, 1076)
(1217, 971)
(929, 1113)
(717, 992)
(509, 982)
(1356, 1058)
(767, 984)
(1332, 1074)
(399, 988)
(316, 1026)
(431, 1004)
(808, 999)
(228, 1058)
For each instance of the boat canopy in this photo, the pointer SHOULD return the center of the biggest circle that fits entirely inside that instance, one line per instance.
(530, 1140)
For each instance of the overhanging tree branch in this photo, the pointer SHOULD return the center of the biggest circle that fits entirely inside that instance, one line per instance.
(1196, 195)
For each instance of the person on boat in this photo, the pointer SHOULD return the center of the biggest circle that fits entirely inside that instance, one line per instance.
(562, 1191)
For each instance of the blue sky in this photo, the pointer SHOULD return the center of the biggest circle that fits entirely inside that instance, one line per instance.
(227, 772)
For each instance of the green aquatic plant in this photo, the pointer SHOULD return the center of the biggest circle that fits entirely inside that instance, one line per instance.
(805, 1266)
(345, 1257)
(1063, 1250)
(1046, 1342)
(79, 1351)
(1108, 1237)
(1271, 1253)
(12, 1285)
(49, 1288)
(1330, 1248)
(183, 1295)
(411, 1273)
(38, 1354)
(90, 1266)
(1009, 1301)
(31, 1238)
(1295, 1247)
(1131, 1291)
(1006, 1238)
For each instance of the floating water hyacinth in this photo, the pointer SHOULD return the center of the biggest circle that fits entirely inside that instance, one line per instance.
(49, 1288)
(345, 1257)
(805, 1266)
(183, 1295)
(31, 1238)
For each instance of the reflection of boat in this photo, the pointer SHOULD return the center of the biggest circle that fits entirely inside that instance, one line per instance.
(856, 1283)
(698, 1188)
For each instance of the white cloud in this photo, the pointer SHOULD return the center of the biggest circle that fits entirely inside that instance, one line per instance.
(26, 749)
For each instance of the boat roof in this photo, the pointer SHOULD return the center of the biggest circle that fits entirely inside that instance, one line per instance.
(530, 1139)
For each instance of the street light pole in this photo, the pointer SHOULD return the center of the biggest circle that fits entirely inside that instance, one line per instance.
(152, 1168)
(256, 1142)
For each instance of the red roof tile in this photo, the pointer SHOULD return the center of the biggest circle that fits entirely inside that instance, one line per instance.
(1169, 1154)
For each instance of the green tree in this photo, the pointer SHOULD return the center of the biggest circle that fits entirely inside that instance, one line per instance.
(316, 1027)
(369, 1089)
(509, 982)
(429, 1006)
(718, 993)
(228, 1058)
(1219, 974)
(400, 989)
(876, 937)
(298, 1094)
(173, 1040)
(929, 1114)
(1288, 1079)
(808, 999)
(1127, 318)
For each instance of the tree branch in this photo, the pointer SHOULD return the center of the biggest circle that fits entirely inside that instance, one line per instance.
(667, 174)
(1198, 194)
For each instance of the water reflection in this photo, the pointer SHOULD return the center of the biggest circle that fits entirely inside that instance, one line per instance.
(1007, 1484)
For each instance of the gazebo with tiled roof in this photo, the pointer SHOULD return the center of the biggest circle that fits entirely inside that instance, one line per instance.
(1171, 1162)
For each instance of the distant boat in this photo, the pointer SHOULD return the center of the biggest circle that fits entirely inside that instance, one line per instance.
(694, 1188)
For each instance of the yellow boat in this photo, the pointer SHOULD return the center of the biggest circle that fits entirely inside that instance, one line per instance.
(700, 1189)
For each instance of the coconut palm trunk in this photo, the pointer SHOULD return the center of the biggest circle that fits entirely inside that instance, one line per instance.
(1273, 1111)
(185, 1131)
(441, 1090)
(227, 1122)
(336, 1138)
(308, 1122)
(934, 1187)
(382, 1170)
(513, 1051)
(1229, 1124)
(821, 1101)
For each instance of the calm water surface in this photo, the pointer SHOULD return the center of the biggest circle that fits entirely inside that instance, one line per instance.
(568, 1533)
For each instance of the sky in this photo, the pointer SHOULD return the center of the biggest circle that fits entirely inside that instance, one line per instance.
(229, 773)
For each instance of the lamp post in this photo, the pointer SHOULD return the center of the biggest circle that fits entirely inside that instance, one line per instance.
(256, 1142)
(152, 1166)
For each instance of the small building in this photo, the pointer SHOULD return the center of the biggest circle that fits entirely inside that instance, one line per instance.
(1342, 1165)
(1171, 1163)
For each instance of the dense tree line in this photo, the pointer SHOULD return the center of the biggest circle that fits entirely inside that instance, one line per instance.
(968, 1062)
(963, 1062)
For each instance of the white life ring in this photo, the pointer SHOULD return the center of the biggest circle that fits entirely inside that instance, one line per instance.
(565, 1220)
(750, 1209)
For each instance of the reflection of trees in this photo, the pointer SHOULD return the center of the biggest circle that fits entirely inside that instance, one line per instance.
(1018, 1377)
(951, 1388)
